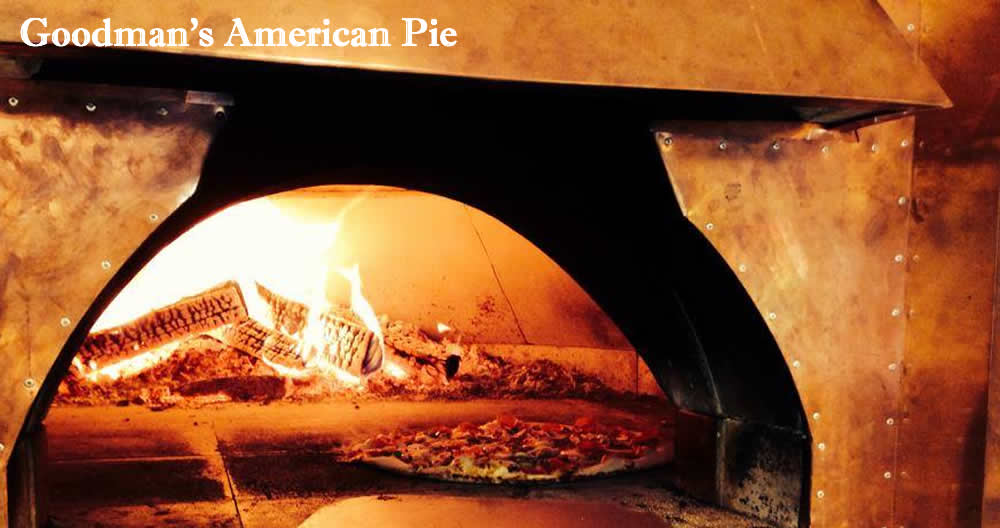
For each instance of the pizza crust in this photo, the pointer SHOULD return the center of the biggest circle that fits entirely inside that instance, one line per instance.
(658, 455)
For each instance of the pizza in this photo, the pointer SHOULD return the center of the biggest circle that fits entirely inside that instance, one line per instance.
(511, 450)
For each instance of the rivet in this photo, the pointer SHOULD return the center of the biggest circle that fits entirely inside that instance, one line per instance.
(911, 27)
(896, 312)
(887, 475)
(12, 101)
(874, 147)
(723, 145)
(90, 107)
(29, 384)
(815, 416)
(162, 111)
(668, 140)
(825, 149)
(901, 200)
(820, 494)
(743, 268)
(776, 145)
(821, 446)
(796, 363)
(154, 217)
(64, 322)
(889, 421)
(106, 264)
(905, 143)
(772, 316)
(709, 226)
(892, 367)
(220, 112)
(898, 258)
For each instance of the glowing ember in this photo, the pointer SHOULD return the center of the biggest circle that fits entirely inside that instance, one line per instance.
(126, 367)
(394, 370)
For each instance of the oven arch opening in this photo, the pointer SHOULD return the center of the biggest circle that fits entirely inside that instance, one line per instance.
(727, 370)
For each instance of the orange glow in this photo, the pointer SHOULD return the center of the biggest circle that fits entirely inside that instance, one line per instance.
(394, 370)
(252, 242)
(249, 241)
(126, 367)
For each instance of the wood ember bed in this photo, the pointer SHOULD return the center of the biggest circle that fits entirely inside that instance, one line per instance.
(207, 349)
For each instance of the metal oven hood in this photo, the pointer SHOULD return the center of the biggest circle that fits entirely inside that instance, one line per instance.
(835, 60)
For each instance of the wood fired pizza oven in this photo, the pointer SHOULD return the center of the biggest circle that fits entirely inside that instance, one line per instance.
(211, 295)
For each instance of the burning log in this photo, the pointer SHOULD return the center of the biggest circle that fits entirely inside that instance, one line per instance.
(345, 342)
(435, 360)
(344, 346)
(253, 338)
(288, 316)
(206, 311)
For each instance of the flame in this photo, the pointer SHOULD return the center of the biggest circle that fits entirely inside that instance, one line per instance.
(252, 242)
(360, 306)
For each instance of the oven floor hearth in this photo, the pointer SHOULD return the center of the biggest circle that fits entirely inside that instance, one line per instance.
(269, 466)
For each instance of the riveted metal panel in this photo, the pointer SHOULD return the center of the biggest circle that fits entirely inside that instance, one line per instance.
(86, 174)
(811, 222)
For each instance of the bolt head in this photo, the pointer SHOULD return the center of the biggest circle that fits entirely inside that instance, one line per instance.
(825, 149)
(90, 107)
(776, 146)
(29, 384)
(904, 143)
(772, 316)
(12, 101)
(892, 367)
(887, 475)
(874, 147)
(898, 258)
(901, 200)
(796, 363)
(64, 322)
(821, 446)
(815, 416)
(154, 217)
(723, 145)
(820, 494)
(709, 226)
(896, 312)
(889, 421)
(162, 111)
(743, 268)
(911, 27)
(106, 264)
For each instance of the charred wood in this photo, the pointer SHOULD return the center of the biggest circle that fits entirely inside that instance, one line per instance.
(206, 311)
(347, 343)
